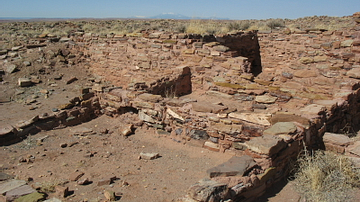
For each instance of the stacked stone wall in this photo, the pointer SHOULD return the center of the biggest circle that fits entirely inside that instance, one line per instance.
(263, 97)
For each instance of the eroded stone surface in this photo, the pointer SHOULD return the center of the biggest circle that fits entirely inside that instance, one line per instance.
(236, 166)
(266, 144)
(208, 190)
(281, 128)
(10, 185)
(337, 139)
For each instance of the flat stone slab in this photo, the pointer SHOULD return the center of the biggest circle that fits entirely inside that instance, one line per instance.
(235, 166)
(313, 109)
(290, 118)
(354, 73)
(229, 129)
(281, 128)
(149, 156)
(337, 139)
(219, 94)
(266, 99)
(207, 107)
(10, 185)
(6, 129)
(354, 149)
(257, 118)
(266, 144)
(20, 191)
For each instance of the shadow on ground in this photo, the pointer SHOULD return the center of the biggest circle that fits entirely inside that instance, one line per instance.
(282, 191)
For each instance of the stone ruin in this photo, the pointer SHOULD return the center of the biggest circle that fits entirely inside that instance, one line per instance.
(261, 96)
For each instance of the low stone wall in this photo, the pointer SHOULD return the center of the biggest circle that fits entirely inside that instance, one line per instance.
(79, 109)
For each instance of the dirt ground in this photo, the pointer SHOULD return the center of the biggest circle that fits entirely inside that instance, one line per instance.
(161, 179)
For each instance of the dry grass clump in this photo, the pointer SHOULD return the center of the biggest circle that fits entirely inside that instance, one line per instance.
(325, 177)
(275, 23)
(239, 25)
(205, 27)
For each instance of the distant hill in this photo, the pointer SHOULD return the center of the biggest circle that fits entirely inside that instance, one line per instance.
(170, 16)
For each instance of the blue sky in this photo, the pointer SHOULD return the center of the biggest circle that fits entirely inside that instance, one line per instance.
(250, 9)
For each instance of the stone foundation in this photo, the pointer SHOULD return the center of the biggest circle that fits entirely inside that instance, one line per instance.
(262, 97)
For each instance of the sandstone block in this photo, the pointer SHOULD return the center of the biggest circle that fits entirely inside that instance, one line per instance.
(71, 80)
(144, 117)
(354, 73)
(75, 176)
(211, 146)
(354, 149)
(109, 195)
(139, 104)
(346, 43)
(257, 118)
(62, 191)
(334, 148)
(281, 128)
(104, 182)
(126, 129)
(149, 156)
(235, 166)
(19, 191)
(306, 60)
(24, 82)
(265, 99)
(11, 68)
(10, 185)
(313, 109)
(207, 107)
(320, 58)
(24, 124)
(266, 144)
(6, 129)
(227, 129)
(336, 139)
(221, 48)
(219, 94)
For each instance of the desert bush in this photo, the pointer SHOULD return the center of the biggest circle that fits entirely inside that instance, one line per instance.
(274, 23)
(325, 177)
(242, 25)
(181, 28)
